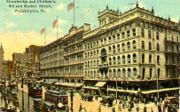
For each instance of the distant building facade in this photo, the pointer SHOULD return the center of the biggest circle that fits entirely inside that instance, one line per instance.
(7, 68)
(27, 64)
(129, 52)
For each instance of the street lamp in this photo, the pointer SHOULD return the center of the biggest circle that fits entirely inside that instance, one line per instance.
(116, 88)
(71, 95)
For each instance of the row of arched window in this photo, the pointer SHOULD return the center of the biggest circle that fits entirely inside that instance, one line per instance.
(113, 38)
(114, 49)
(116, 60)
(129, 72)
(150, 46)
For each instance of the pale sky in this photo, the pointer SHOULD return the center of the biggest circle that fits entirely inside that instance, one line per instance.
(19, 30)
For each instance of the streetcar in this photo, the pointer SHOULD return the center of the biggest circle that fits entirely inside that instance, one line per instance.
(55, 101)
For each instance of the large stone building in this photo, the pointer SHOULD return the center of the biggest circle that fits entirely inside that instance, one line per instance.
(129, 53)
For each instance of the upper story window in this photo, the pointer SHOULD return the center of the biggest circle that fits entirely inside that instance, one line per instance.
(157, 35)
(134, 44)
(143, 58)
(158, 72)
(123, 59)
(129, 58)
(135, 71)
(114, 49)
(105, 40)
(134, 32)
(124, 72)
(119, 73)
(97, 43)
(114, 60)
(128, 45)
(158, 59)
(142, 45)
(150, 47)
(142, 32)
(149, 33)
(128, 33)
(123, 34)
(118, 36)
(110, 63)
(158, 47)
(119, 60)
(129, 72)
(109, 39)
(123, 47)
(150, 58)
(134, 58)
(110, 49)
(118, 48)
(114, 38)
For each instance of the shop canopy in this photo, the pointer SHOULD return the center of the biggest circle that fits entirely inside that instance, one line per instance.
(69, 84)
(100, 84)
(160, 90)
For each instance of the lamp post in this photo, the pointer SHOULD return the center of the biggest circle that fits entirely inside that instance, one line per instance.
(116, 89)
(71, 95)
(22, 81)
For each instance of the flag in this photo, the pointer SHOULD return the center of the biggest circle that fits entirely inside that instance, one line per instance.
(43, 30)
(70, 6)
(55, 22)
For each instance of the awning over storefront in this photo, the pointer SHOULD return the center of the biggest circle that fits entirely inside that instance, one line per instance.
(143, 92)
(69, 84)
(160, 90)
(122, 90)
(49, 104)
(40, 81)
(90, 87)
(50, 82)
(100, 84)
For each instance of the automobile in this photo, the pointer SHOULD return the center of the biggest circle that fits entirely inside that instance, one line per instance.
(88, 97)
(171, 100)
(107, 100)
(172, 104)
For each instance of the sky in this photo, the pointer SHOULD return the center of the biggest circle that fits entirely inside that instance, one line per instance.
(20, 30)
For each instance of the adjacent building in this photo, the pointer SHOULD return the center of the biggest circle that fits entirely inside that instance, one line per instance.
(135, 52)
(63, 58)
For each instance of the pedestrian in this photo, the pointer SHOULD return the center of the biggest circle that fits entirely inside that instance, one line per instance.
(85, 109)
(99, 109)
(119, 109)
(145, 109)
(159, 108)
(152, 110)
(80, 107)
(137, 109)
(113, 109)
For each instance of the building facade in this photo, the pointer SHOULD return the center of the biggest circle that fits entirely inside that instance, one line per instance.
(7, 68)
(27, 64)
(129, 53)
(63, 58)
